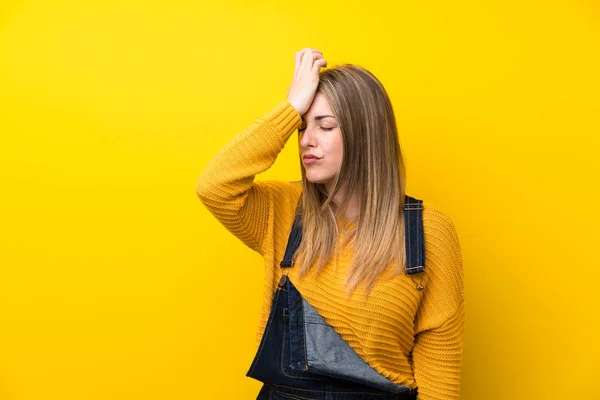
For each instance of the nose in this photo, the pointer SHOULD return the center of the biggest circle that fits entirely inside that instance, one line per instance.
(307, 139)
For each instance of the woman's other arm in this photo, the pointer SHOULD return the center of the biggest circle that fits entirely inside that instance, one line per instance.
(437, 354)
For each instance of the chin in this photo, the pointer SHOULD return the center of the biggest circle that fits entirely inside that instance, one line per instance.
(318, 179)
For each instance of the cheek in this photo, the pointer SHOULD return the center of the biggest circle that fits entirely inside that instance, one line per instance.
(339, 146)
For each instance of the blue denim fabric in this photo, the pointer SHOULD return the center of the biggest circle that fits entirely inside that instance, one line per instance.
(302, 357)
(414, 237)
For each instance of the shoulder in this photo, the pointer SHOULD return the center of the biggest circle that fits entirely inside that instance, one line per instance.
(444, 264)
(441, 236)
(436, 217)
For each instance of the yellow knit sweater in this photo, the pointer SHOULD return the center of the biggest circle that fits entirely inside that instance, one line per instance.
(414, 338)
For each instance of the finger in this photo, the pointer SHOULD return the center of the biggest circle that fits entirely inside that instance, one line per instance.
(316, 56)
(297, 61)
(312, 57)
(311, 50)
(311, 53)
(320, 63)
(306, 57)
(309, 56)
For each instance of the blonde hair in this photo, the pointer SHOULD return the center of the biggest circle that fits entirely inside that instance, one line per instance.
(372, 168)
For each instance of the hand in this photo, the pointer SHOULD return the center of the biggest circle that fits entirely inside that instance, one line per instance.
(306, 79)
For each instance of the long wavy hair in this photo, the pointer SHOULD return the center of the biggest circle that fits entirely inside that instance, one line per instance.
(372, 168)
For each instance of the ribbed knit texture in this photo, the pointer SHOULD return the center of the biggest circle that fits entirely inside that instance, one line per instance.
(412, 337)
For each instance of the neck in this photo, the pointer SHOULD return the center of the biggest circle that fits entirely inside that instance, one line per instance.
(351, 211)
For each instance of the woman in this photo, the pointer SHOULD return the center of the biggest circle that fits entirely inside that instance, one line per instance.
(363, 284)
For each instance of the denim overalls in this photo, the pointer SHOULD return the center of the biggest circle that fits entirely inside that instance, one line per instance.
(301, 356)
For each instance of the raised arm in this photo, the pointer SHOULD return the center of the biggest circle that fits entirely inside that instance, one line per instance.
(437, 354)
(227, 186)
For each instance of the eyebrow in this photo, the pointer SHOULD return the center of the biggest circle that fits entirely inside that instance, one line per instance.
(319, 117)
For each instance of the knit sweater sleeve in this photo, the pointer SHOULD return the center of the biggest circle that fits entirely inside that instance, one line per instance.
(437, 353)
(227, 187)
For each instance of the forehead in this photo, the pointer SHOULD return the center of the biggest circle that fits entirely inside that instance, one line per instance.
(319, 107)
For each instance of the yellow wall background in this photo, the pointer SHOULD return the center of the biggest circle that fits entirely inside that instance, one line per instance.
(116, 283)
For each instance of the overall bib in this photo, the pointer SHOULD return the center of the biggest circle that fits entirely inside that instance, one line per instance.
(302, 357)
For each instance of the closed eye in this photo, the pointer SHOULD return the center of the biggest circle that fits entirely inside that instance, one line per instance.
(302, 129)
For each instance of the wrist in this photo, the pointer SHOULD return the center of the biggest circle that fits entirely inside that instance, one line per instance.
(298, 109)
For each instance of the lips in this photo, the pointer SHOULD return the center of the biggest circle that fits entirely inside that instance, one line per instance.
(309, 159)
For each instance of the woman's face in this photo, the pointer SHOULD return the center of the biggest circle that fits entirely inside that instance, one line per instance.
(320, 137)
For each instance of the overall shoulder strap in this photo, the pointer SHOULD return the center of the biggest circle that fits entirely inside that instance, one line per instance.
(414, 235)
(294, 239)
